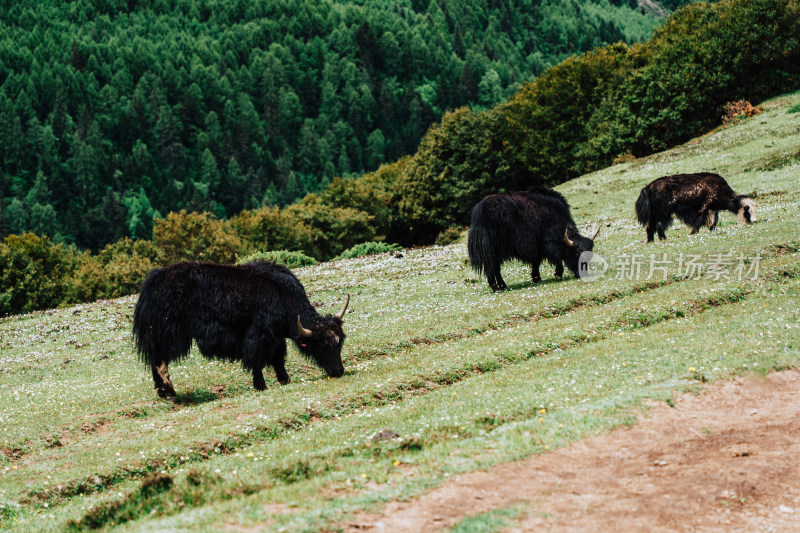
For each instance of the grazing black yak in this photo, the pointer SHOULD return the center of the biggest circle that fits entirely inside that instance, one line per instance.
(531, 226)
(693, 198)
(238, 313)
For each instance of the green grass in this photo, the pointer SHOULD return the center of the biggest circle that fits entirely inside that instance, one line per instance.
(466, 377)
(494, 520)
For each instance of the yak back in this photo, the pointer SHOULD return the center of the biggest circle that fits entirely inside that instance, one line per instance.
(510, 210)
(702, 189)
(514, 224)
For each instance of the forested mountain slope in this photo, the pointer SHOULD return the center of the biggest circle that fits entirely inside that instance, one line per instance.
(115, 110)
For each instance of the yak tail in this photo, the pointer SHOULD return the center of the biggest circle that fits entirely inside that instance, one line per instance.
(160, 334)
(480, 245)
(643, 207)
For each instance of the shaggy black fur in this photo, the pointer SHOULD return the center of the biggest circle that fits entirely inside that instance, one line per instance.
(237, 313)
(696, 199)
(529, 226)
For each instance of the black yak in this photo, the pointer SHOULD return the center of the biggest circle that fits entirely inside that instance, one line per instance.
(238, 313)
(696, 199)
(531, 226)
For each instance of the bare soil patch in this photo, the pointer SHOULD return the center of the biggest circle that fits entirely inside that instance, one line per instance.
(727, 460)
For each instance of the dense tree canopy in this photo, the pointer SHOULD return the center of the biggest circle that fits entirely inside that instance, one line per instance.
(114, 111)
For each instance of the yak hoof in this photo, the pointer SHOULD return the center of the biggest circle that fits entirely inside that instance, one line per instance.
(166, 394)
(285, 382)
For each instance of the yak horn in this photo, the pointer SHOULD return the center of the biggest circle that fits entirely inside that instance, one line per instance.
(303, 331)
(340, 314)
(596, 232)
(567, 240)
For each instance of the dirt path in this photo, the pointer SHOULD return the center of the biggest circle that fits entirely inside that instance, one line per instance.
(726, 460)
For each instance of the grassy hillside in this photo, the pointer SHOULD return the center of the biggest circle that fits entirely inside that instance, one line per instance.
(466, 377)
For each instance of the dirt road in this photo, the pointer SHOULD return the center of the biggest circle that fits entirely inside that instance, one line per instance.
(725, 460)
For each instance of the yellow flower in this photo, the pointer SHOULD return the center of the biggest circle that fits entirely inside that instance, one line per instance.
(691, 369)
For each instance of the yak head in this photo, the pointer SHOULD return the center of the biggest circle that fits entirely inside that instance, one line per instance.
(322, 341)
(747, 211)
(575, 245)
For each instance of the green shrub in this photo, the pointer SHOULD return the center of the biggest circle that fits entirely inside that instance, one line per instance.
(117, 270)
(457, 163)
(335, 228)
(372, 193)
(547, 117)
(677, 85)
(368, 248)
(88, 281)
(272, 228)
(126, 263)
(449, 235)
(34, 273)
(186, 236)
(283, 257)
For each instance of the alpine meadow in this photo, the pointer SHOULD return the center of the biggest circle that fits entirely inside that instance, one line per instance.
(442, 375)
(465, 377)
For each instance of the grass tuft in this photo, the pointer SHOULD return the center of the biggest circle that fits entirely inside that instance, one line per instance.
(139, 503)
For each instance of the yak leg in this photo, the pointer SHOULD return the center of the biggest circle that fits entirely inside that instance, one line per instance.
(258, 379)
(651, 234)
(282, 375)
(559, 270)
(711, 220)
(661, 228)
(278, 363)
(258, 370)
(535, 276)
(162, 382)
(496, 282)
